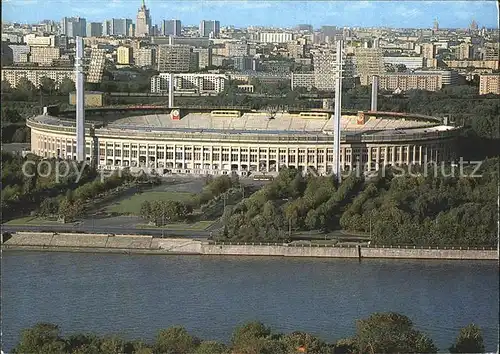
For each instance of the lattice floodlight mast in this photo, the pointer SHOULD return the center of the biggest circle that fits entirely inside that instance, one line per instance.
(337, 112)
(80, 101)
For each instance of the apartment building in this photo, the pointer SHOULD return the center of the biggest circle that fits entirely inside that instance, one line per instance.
(302, 80)
(204, 57)
(17, 50)
(145, 57)
(124, 55)
(405, 82)
(97, 64)
(409, 62)
(200, 83)
(489, 83)
(235, 49)
(275, 37)
(174, 58)
(369, 62)
(35, 74)
(44, 56)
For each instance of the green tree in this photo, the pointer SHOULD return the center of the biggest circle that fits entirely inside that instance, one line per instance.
(6, 86)
(43, 338)
(48, 207)
(47, 85)
(469, 340)
(211, 347)
(66, 86)
(306, 343)
(175, 340)
(250, 338)
(391, 333)
(25, 90)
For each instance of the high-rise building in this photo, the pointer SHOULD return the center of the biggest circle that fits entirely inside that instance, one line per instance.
(7, 57)
(465, 51)
(236, 49)
(73, 27)
(124, 55)
(324, 71)
(143, 24)
(97, 64)
(209, 28)
(35, 74)
(44, 56)
(369, 63)
(204, 57)
(94, 29)
(174, 58)
(145, 57)
(171, 28)
(489, 83)
(436, 25)
(17, 50)
(296, 50)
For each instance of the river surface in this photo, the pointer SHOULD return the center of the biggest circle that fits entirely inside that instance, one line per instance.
(135, 296)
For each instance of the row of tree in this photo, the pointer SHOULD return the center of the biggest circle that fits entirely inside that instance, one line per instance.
(162, 212)
(394, 210)
(379, 333)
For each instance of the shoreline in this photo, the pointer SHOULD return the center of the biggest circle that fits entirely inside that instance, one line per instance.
(147, 245)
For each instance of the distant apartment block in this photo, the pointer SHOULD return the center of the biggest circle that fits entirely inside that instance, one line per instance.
(124, 55)
(236, 49)
(296, 50)
(489, 83)
(96, 66)
(405, 82)
(44, 56)
(478, 64)
(171, 27)
(74, 26)
(145, 57)
(324, 71)
(465, 51)
(199, 83)
(17, 50)
(275, 37)
(40, 41)
(94, 29)
(302, 80)
(204, 57)
(409, 62)
(174, 58)
(209, 28)
(369, 62)
(35, 74)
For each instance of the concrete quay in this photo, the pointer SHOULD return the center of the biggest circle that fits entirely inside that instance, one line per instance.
(37, 241)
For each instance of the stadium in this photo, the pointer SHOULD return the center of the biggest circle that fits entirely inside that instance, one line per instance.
(242, 141)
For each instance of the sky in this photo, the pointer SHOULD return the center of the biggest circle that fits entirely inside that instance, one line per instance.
(275, 13)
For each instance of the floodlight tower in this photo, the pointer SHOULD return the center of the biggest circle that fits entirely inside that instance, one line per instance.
(171, 91)
(337, 112)
(80, 101)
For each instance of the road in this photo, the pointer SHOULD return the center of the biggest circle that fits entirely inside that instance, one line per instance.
(108, 230)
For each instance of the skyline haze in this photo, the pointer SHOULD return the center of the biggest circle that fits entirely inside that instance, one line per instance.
(243, 13)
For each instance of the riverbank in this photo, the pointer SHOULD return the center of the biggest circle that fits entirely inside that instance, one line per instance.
(136, 244)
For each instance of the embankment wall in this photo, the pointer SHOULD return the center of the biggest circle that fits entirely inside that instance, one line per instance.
(147, 244)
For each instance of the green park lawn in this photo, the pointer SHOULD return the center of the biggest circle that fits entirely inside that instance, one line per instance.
(132, 205)
(31, 221)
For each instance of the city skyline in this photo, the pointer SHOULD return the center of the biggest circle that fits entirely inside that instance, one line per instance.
(243, 13)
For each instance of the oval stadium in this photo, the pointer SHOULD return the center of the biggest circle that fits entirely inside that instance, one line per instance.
(242, 141)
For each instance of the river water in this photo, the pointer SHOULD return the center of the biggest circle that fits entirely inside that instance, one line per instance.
(136, 295)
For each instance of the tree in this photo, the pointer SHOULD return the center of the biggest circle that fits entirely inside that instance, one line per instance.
(20, 135)
(66, 86)
(10, 115)
(211, 348)
(175, 340)
(391, 333)
(25, 90)
(6, 86)
(469, 340)
(70, 210)
(250, 338)
(301, 341)
(43, 338)
(48, 207)
(145, 211)
(47, 85)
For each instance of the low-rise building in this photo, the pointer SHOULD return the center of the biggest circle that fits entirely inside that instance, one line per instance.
(92, 99)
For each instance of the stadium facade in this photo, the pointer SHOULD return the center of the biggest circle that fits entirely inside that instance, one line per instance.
(246, 142)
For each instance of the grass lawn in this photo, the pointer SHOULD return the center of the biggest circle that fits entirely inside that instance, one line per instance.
(132, 205)
(196, 226)
(31, 220)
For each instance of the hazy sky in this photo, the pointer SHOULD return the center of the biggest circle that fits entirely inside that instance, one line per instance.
(276, 13)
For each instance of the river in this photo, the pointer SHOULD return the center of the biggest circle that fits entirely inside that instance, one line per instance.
(136, 295)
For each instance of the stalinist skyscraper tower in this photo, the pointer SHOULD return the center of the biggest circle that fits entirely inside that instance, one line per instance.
(143, 24)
